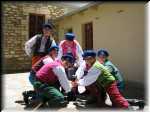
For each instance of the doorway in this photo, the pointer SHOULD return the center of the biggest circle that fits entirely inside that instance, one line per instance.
(87, 30)
(35, 24)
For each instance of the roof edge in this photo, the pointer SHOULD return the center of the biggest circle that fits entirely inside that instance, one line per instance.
(76, 11)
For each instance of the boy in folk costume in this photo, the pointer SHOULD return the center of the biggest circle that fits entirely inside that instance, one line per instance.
(103, 59)
(38, 45)
(52, 54)
(97, 76)
(47, 79)
(70, 45)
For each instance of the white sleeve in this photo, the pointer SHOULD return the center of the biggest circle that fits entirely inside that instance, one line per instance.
(62, 77)
(53, 43)
(29, 44)
(59, 52)
(90, 78)
(47, 60)
(79, 53)
(80, 71)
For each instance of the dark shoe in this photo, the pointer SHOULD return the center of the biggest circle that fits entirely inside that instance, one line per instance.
(25, 97)
(27, 94)
(71, 96)
(80, 104)
(58, 105)
(64, 103)
(136, 102)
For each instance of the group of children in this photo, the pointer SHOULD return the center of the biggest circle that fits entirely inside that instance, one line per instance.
(94, 72)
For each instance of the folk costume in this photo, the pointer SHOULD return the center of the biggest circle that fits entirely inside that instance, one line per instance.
(98, 76)
(38, 45)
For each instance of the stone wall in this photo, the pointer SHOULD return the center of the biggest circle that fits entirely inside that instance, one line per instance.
(15, 20)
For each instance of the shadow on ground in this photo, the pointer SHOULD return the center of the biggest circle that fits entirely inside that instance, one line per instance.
(134, 90)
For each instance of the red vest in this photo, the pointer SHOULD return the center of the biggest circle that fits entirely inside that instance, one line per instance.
(46, 74)
(69, 47)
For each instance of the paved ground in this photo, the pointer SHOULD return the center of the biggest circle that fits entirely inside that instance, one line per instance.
(14, 85)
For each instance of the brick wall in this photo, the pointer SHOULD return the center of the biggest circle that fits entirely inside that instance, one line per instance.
(15, 27)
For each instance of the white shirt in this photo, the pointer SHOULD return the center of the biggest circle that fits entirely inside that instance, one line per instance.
(60, 73)
(43, 42)
(62, 77)
(79, 52)
(88, 79)
(30, 43)
(48, 60)
(80, 71)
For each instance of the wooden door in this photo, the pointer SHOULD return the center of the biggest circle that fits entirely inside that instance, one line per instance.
(35, 24)
(88, 35)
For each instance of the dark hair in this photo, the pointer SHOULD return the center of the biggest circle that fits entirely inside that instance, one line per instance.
(47, 25)
(68, 57)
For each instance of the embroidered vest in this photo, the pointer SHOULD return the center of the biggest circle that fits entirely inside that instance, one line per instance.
(69, 48)
(38, 44)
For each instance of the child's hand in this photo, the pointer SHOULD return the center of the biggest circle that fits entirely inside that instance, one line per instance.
(74, 83)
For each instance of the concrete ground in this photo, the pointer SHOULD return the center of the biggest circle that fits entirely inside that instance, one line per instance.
(14, 85)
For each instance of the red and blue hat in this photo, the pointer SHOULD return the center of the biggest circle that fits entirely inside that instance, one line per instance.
(53, 48)
(102, 52)
(89, 53)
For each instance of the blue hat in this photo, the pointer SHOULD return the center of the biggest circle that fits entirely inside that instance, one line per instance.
(103, 52)
(47, 25)
(52, 48)
(69, 36)
(88, 53)
(69, 57)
